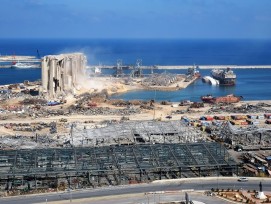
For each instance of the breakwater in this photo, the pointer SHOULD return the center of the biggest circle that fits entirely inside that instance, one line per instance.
(5, 62)
(198, 66)
(167, 67)
(218, 67)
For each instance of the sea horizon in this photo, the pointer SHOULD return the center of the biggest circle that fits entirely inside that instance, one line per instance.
(150, 51)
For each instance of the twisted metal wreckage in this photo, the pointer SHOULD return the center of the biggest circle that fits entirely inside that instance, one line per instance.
(111, 165)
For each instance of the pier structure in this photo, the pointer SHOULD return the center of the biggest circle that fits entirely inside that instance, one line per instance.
(137, 70)
(62, 73)
(119, 71)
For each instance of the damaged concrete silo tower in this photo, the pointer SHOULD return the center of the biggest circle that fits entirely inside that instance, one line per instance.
(61, 74)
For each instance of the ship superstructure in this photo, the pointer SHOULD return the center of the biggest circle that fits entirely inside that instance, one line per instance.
(225, 77)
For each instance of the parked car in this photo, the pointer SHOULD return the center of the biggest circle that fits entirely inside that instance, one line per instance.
(243, 179)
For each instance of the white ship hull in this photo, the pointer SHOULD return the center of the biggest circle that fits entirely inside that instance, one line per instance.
(23, 65)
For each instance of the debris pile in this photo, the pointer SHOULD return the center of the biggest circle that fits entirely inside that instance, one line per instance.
(164, 79)
(34, 101)
(122, 103)
(23, 142)
(76, 109)
(245, 108)
(250, 137)
(134, 132)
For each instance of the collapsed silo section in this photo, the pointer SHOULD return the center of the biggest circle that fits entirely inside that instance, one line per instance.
(61, 74)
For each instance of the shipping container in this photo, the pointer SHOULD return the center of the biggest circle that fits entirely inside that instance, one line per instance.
(227, 117)
(221, 117)
(238, 122)
(202, 118)
(252, 116)
(252, 122)
(255, 122)
(267, 115)
(209, 118)
(239, 117)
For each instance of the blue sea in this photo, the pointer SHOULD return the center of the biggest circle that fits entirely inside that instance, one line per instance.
(252, 84)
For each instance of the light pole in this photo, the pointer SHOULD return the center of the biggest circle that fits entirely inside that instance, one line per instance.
(217, 182)
(146, 194)
(70, 192)
(217, 177)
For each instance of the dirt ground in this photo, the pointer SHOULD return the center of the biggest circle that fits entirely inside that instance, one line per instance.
(111, 85)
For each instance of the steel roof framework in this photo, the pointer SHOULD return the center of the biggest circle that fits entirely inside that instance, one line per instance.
(139, 132)
(110, 165)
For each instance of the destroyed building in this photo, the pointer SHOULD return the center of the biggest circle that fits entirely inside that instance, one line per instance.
(62, 73)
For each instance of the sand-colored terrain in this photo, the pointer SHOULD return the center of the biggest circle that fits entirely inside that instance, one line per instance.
(92, 105)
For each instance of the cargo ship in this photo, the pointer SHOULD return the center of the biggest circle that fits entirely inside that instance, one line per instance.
(225, 77)
(223, 99)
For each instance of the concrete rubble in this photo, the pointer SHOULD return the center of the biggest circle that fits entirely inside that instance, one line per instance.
(137, 132)
(245, 108)
(164, 79)
(87, 104)
(107, 132)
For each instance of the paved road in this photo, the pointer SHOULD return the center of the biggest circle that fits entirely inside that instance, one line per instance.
(187, 184)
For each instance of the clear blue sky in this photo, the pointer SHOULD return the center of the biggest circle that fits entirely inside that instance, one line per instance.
(135, 18)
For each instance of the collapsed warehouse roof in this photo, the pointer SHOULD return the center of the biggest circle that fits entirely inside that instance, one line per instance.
(116, 164)
(252, 137)
(82, 134)
(138, 132)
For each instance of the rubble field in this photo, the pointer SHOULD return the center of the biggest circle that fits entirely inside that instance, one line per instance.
(31, 121)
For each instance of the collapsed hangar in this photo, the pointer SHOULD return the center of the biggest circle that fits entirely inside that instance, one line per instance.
(111, 165)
